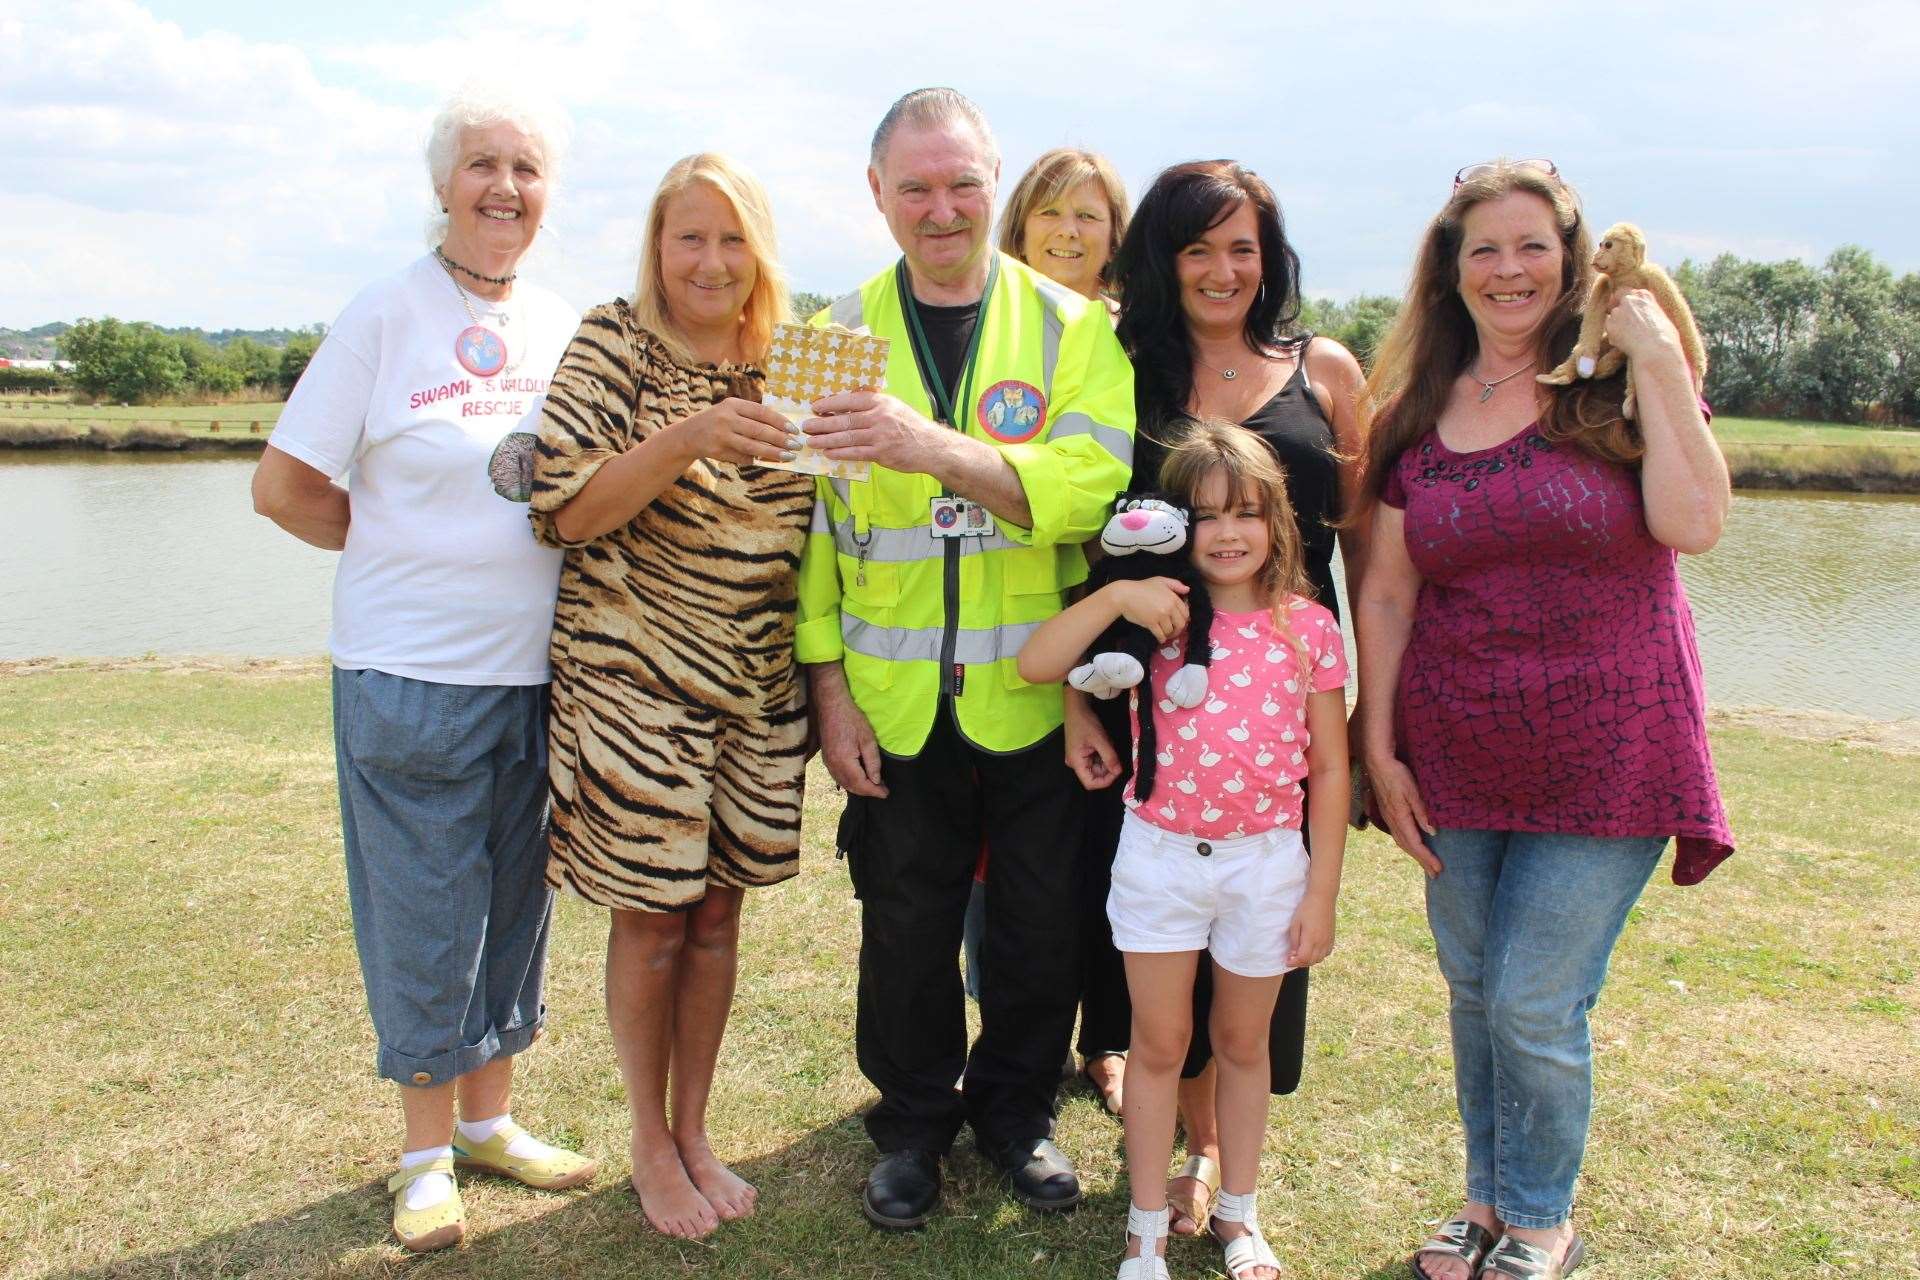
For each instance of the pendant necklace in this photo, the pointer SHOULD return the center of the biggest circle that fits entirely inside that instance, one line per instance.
(480, 351)
(1486, 388)
(1231, 374)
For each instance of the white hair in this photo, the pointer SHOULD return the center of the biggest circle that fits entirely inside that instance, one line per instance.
(478, 105)
(929, 108)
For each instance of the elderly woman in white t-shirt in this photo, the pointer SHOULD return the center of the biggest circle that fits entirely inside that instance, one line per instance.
(426, 395)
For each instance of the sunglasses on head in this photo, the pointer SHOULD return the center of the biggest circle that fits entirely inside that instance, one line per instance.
(1485, 167)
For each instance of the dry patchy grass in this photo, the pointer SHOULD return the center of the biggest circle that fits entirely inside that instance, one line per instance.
(187, 1057)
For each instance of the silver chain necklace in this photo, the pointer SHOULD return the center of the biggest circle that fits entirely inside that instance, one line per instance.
(1486, 388)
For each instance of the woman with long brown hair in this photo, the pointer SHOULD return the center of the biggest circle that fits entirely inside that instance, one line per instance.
(1533, 719)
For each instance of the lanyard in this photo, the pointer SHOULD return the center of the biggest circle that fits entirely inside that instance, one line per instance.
(944, 407)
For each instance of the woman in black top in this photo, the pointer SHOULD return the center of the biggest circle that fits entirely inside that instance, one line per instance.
(1208, 286)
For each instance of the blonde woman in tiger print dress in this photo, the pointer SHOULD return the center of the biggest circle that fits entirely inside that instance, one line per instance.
(679, 736)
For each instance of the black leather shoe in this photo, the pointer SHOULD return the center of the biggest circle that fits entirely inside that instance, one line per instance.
(902, 1190)
(1038, 1173)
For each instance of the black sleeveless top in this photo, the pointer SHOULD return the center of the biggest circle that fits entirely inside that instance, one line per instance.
(1296, 428)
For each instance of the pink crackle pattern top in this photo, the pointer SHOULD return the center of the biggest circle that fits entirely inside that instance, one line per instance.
(1232, 766)
(1552, 681)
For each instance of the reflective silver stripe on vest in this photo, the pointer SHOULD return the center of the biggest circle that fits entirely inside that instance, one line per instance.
(904, 546)
(1112, 439)
(843, 490)
(922, 644)
(1052, 297)
(822, 522)
(848, 311)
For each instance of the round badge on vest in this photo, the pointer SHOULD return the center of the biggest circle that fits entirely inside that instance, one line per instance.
(1012, 412)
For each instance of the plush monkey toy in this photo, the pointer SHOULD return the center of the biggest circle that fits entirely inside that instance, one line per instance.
(1147, 538)
(1622, 262)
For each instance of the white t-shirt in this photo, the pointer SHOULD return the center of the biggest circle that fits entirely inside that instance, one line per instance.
(440, 579)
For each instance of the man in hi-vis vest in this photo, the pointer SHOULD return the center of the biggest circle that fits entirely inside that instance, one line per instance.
(1003, 434)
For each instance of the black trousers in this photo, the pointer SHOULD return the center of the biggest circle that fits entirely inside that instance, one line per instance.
(911, 856)
(1106, 1013)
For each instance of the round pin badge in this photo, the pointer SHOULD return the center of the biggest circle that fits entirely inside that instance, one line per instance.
(1012, 412)
(480, 351)
(945, 516)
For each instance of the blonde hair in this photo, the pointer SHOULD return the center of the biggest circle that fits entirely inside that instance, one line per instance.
(1254, 477)
(1048, 181)
(1433, 339)
(766, 306)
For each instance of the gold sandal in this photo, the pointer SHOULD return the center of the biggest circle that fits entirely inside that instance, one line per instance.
(1196, 1208)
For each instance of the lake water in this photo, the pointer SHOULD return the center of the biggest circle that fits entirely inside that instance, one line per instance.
(1809, 601)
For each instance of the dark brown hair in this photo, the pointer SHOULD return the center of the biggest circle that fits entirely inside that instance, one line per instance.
(1183, 204)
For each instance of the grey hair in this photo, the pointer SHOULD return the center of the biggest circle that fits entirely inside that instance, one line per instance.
(927, 107)
(477, 105)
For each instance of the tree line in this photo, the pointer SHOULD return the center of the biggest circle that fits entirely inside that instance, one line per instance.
(139, 362)
(1839, 342)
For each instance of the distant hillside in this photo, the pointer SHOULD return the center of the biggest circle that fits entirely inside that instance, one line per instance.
(38, 344)
(31, 344)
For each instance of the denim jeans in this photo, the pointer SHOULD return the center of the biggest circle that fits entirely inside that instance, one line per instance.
(1525, 923)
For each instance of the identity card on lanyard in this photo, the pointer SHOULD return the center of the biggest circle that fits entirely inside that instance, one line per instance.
(951, 516)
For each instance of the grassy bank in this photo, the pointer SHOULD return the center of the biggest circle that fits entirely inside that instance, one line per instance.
(1769, 454)
(187, 1058)
(43, 424)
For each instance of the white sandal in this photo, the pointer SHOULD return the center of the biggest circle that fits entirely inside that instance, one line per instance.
(1243, 1253)
(1150, 1225)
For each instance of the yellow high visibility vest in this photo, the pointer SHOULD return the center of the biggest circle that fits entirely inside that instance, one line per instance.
(921, 622)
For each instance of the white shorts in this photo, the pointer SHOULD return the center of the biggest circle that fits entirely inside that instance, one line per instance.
(1235, 898)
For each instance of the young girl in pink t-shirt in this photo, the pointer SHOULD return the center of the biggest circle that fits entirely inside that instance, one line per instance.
(1212, 859)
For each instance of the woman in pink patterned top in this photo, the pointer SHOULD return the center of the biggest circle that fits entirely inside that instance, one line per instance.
(1211, 857)
(1534, 717)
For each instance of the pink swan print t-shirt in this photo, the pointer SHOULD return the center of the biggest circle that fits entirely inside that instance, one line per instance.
(1232, 766)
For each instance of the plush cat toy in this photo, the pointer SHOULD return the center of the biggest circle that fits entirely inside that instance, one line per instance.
(1147, 538)
(1622, 262)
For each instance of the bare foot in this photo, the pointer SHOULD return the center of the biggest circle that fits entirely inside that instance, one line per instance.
(1187, 1189)
(667, 1195)
(1107, 1073)
(1441, 1266)
(731, 1195)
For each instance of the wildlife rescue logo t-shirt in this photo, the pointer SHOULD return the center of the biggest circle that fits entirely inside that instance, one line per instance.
(441, 579)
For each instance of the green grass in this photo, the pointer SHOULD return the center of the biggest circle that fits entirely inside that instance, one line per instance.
(187, 1061)
(33, 418)
(1776, 431)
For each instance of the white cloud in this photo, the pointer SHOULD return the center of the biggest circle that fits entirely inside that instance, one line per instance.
(200, 179)
(171, 171)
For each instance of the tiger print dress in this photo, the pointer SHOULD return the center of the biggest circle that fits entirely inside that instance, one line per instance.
(678, 732)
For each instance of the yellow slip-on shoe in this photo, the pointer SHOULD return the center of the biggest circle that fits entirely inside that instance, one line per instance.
(424, 1230)
(555, 1172)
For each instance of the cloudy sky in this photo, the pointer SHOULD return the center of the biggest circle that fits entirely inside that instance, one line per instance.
(222, 163)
